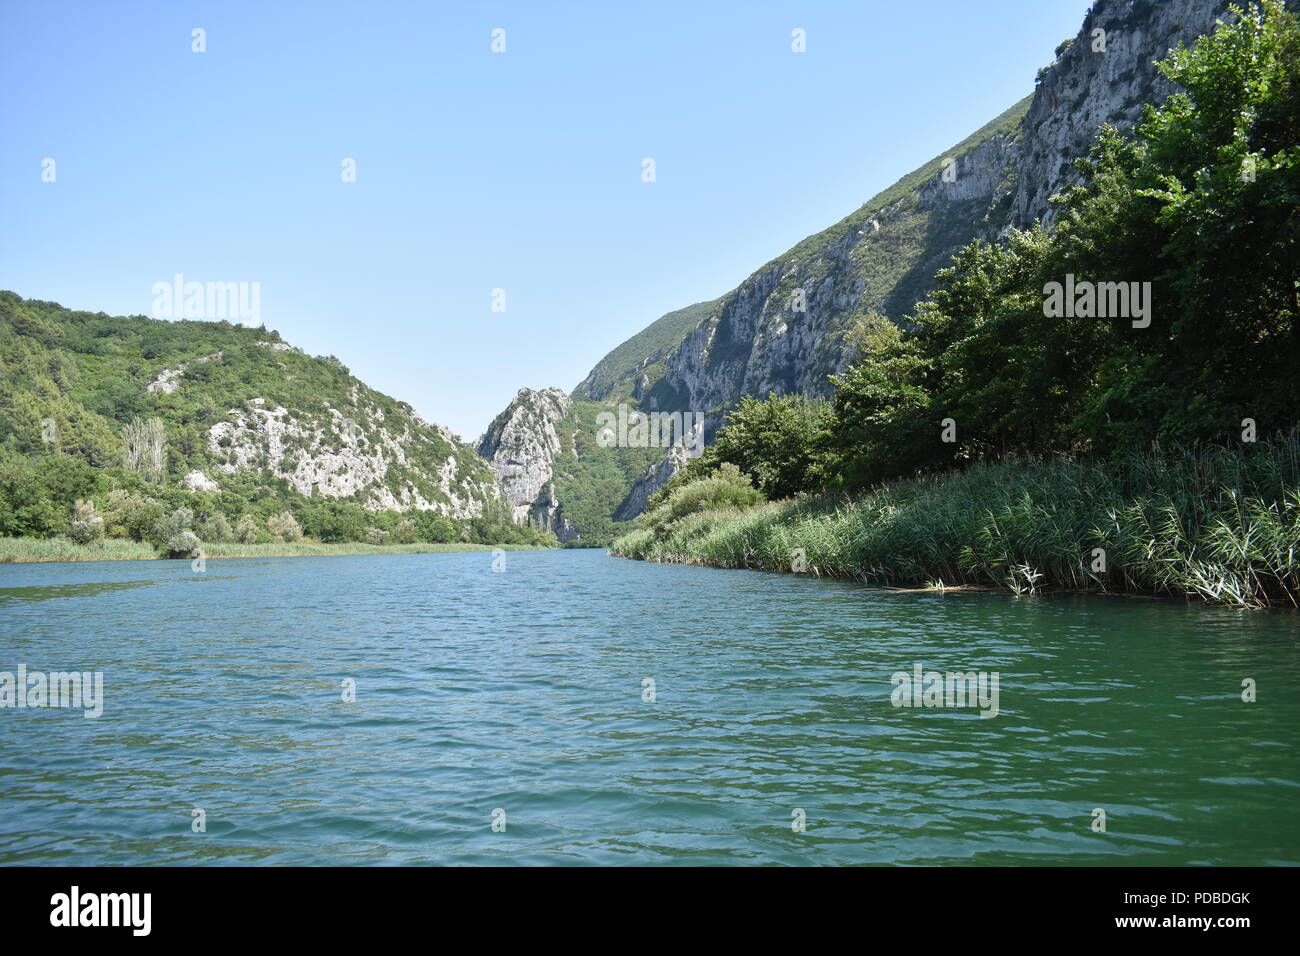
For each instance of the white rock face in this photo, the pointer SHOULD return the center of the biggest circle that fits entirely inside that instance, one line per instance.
(521, 446)
(198, 481)
(342, 458)
(764, 338)
(1084, 89)
(168, 380)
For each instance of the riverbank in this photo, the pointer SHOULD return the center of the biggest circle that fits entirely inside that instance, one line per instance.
(34, 550)
(1210, 523)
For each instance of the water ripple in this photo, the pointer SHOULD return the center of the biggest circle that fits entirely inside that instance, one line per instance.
(522, 692)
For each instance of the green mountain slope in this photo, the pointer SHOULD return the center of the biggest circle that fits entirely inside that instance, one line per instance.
(245, 424)
(592, 481)
(882, 258)
(615, 375)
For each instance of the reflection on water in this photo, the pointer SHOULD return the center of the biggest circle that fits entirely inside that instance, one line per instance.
(50, 592)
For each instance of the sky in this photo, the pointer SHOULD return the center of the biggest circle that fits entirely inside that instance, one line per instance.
(475, 170)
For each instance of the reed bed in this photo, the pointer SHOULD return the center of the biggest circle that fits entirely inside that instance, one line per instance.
(30, 550)
(24, 550)
(1204, 522)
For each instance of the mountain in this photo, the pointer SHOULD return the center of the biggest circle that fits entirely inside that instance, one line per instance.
(522, 444)
(756, 339)
(553, 471)
(639, 360)
(240, 413)
(782, 329)
(245, 418)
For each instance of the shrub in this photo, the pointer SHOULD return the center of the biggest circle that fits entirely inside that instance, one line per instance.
(183, 544)
(246, 530)
(131, 515)
(214, 528)
(86, 526)
(182, 519)
(727, 487)
(284, 527)
(776, 442)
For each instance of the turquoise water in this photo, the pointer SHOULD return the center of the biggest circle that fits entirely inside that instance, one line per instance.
(522, 691)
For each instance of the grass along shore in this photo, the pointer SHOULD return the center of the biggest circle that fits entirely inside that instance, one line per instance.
(1212, 523)
(27, 550)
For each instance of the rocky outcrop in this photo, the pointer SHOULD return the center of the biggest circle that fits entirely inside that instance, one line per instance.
(364, 455)
(545, 512)
(169, 379)
(198, 481)
(1105, 75)
(521, 445)
(225, 408)
(781, 331)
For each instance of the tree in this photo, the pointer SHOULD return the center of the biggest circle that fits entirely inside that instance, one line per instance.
(284, 527)
(1205, 204)
(879, 426)
(1198, 215)
(214, 528)
(776, 442)
(142, 451)
(246, 530)
(86, 526)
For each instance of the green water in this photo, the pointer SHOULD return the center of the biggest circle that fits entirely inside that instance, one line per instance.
(523, 691)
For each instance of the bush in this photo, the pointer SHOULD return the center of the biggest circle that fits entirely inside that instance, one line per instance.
(433, 527)
(284, 527)
(727, 487)
(86, 526)
(246, 530)
(180, 520)
(215, 528)
(776, 442)
(183, 544)
(134, 514)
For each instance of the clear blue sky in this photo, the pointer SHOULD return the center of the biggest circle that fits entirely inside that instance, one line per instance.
(475, 170)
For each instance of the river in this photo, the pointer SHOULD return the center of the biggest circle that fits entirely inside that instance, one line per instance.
(578, 708)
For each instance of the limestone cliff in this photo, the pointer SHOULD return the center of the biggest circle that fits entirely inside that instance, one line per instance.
(655, 477)
(521, 445)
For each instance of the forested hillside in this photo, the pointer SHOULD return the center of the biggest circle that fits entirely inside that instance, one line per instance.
(230, 426)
